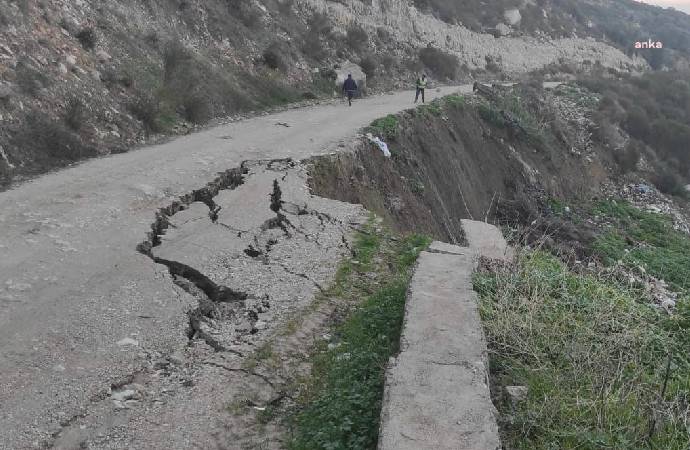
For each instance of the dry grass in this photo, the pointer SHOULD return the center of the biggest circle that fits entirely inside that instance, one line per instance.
(593, 355)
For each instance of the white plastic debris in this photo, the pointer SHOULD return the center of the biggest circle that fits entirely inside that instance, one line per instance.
(382, 145)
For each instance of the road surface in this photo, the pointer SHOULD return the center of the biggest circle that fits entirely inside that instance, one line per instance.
(80, 309)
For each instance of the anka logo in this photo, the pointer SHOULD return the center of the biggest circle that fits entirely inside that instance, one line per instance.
(648, 44)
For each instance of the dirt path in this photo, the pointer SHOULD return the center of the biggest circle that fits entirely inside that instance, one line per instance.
(82, 311)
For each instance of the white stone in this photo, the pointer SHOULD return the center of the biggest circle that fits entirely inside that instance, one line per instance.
(71, 60)
(512, 16)
(123, 395)
(503, 29)
(127, 341)
(103, 56)
(5, 90)
(62, 69)
(517, 394)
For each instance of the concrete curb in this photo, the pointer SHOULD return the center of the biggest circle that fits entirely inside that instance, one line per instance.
(437, 390)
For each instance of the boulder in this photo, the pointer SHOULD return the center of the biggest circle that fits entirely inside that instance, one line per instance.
(103, 56)
(516, 394)
(70, 25)
(357, 73)
(71, 60)
(6, 91)
(512, 16)
(502, 29)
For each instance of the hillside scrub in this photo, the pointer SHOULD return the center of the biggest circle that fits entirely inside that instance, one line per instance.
(654, 110)
(443, 65)
(603, 367)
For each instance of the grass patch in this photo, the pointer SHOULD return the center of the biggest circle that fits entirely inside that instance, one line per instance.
(592, 355)
(431, 109)
(513, 112)
(339, 406)
(455, 101)
(646, 239)
(385, 126)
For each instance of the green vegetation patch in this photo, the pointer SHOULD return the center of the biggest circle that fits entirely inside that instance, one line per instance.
(340, 405)
(645, 239)
(385, 126)
(510, 110)
(431, 109)
(603, 369)
(455, 100)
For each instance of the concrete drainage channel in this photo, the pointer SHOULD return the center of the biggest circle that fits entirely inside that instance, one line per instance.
(437, 390)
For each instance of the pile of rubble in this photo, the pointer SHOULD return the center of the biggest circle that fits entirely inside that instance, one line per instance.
(645, 197)
(573, 105)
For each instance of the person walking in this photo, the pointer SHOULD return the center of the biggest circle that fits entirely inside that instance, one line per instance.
(349, 88)
(421, 86)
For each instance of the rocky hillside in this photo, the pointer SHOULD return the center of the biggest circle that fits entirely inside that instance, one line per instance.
(85, 78)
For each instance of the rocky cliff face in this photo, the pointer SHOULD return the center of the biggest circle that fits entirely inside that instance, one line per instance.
(410, 28)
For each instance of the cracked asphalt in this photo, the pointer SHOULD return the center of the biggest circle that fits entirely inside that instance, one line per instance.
(91, 330)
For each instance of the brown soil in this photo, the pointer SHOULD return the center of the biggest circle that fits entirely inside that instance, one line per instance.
(454, 165)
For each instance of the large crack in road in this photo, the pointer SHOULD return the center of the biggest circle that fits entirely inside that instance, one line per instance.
(79, 309)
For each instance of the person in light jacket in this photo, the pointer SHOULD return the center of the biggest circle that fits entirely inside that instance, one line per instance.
(421, 86)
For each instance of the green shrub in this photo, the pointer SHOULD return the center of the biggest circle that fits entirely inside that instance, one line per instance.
(75, 115)
(147, 108)
(369, 65)
(51, 139)
(196, 108)
(87, 38)
(357, 39)
(455, 100)
(442, 64)
(30, 80)
(385, 126)
(273, 57)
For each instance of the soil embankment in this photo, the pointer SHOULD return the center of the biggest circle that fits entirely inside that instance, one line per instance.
(453, 160)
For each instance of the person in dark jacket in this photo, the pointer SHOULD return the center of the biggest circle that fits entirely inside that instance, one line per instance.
(349, 88)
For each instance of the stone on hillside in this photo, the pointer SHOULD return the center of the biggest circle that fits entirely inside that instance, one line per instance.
(516, 394)
(70, 25)
(71, 60)
(357, 73)
(503, 29)
(6, 91)
(512, 16)
(103, 56)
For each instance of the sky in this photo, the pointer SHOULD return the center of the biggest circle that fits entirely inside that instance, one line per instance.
(682, 5)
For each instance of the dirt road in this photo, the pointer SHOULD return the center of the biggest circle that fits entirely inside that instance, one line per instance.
(81, 311)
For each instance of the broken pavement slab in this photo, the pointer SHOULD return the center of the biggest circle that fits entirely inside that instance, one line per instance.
(487, 240)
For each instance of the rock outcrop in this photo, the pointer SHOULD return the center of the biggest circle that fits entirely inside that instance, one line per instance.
(410, 28)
